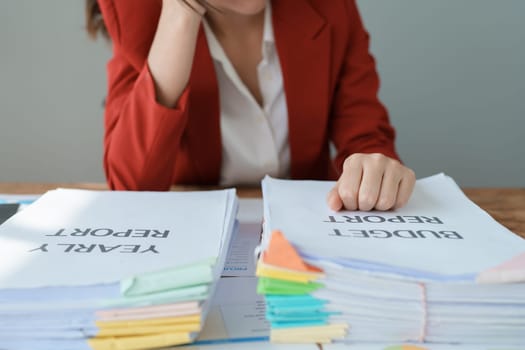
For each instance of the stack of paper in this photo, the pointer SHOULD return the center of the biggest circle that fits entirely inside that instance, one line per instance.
(112, 270)
(439, 270)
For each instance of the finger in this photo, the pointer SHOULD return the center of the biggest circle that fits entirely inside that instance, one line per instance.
(349, 183)
(334, 201)
(370, 184)
(406, 186)
(389, 190)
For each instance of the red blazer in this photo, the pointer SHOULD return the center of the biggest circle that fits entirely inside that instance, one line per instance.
(330, 83)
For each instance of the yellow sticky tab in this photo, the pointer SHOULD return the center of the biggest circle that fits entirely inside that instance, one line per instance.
(264, 270)
(315, 334)
(140, 342)
(300, 340)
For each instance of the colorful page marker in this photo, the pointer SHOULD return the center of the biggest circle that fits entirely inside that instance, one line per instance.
(282, 254)
(512, 271)
(405, 347)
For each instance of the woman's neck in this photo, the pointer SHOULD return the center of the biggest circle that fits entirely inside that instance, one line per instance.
(241, 39)
(229, 24)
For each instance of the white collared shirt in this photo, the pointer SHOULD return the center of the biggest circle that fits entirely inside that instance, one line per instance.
(254, 138)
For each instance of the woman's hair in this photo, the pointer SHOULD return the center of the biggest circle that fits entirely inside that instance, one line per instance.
(94, 21)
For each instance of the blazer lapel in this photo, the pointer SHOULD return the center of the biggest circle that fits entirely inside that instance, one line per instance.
(303, 42)
(204, 130)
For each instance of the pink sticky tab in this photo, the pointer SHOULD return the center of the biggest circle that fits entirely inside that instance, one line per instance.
(511, 271)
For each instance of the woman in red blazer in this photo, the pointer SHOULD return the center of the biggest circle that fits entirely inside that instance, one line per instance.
(163, 116)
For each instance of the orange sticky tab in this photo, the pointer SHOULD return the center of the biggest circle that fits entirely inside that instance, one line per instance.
(404, 347)
(282, 254)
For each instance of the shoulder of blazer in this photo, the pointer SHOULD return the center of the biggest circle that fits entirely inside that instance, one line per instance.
(340, 14)
(131, 25)
(345, 23)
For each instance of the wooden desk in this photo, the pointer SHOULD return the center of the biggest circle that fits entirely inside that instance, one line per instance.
(506, 205)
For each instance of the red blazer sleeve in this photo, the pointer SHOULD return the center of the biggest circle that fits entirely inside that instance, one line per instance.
(141, 136)
(359, 122)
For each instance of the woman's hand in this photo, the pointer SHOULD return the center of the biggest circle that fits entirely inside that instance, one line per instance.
(372, 181)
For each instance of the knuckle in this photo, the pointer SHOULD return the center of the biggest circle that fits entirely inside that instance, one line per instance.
(393, 166)
(352, 159)
(394, 163)
(378, 157)
(377, 161)
(356, 156)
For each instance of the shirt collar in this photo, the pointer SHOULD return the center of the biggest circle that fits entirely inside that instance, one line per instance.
(268, 36)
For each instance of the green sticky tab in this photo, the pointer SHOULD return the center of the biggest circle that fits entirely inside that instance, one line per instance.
(169, 279)
(194, 293)
(274, 286)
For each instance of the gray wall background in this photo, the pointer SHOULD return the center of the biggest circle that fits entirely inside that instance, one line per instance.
(453, 79)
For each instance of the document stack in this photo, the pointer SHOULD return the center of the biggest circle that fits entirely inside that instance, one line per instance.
(112, 270)
(439, 270)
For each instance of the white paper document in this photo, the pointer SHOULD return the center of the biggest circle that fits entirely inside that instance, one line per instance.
(438, 271)
(107, 270)
(438, 235)
(101, 237)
